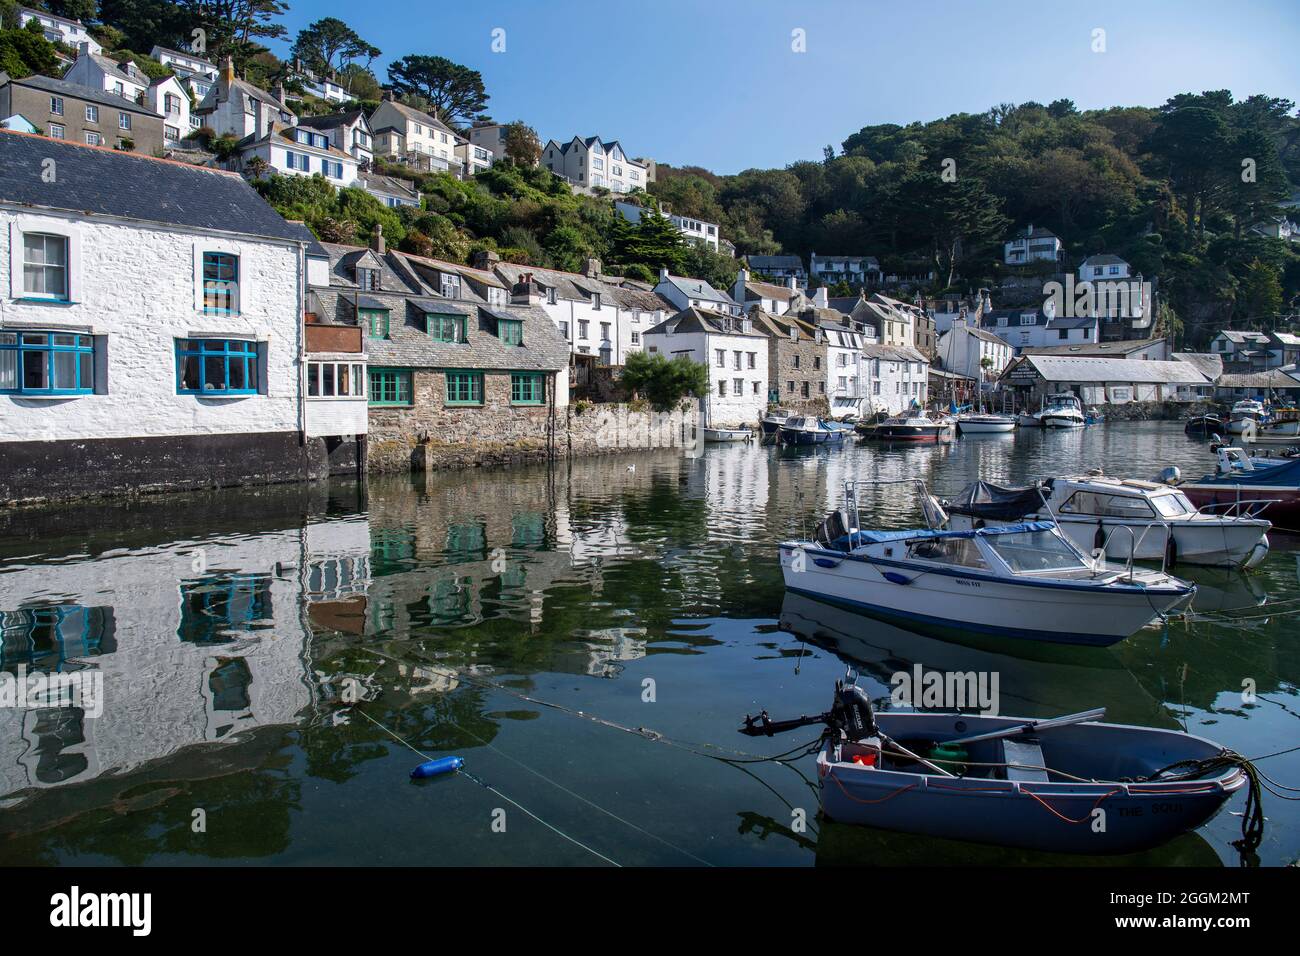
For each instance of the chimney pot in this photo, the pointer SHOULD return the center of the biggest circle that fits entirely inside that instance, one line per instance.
(377, 239)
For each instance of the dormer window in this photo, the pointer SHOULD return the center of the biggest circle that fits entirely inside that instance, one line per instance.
(449, 285)
(510, 331)
(368, 279)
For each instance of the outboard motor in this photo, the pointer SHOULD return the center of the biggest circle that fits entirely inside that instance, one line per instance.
(1169, 476)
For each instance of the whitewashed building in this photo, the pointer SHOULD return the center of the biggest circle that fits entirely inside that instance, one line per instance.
(595, 164)
(1103, 267)
(736, 356)
(857, 271)
(195, 73)
(490, 136)
(1033, 244)
(407, 135)
(144, 342)
(98, 72)
(1099, 381)
(301, 151)
(236, 108)
(60, 29)
(169, 99)
(389, 190)
(348, 132)
(895, 378)
(686, 293)
(694, 230)
(971, 351)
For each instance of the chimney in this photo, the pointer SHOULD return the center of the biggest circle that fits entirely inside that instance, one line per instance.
(821, 299)
(742, 276)
(792, 283)
(278, 92)
(377, 239)
(83, 48)
(526, 291)
(591, 268)
(228, 71)
(663, 274)
(484, 259)
(387, 96)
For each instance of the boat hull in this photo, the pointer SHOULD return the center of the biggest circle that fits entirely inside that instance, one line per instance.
(931, 433)
(1283, 509)
(986, 427)
(727, 434)
(1083, 613)
(1062, 421)
(1056, 816)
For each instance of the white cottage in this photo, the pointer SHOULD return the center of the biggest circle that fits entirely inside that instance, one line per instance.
(736, 356)
(144, 343)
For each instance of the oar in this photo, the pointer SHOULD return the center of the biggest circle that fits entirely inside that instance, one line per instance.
(1033, 725)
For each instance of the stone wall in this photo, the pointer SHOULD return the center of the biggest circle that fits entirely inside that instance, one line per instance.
(1157, 411)
(429, 435)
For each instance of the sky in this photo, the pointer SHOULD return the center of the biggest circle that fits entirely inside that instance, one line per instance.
(720, 83)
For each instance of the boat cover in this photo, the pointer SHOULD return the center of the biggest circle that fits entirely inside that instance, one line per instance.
(982, 499)
(1286, 473)
(859, 538)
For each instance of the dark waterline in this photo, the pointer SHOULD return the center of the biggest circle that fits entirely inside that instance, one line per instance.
(229, 627)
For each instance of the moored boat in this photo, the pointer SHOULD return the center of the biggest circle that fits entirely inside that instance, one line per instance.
(914, 427)
(985, 424)
(1206, 426)
(1063, 410)
(1022, 580)
(727, 434)
(806, 430)
(1245, 414)
(1123, 518)
(771, 422)
(1270, 488)
(1015, 781)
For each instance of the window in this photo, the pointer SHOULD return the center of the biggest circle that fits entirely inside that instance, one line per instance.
(45, 266)
(336, 380)
(496, 296)
(390, 386)
(789, 386)
(604, 331)
(47, 363)
(739, 385)
(720, 358)
(550, 296)
(56, 105)
(376, 320)
(564, 330)
(510, 332)
(527, 388)
(171, 133)
(464, 388)
(449, 285)
(753, 359)
(722, 388)
(595, 301)
(582, 328)
(756, 387)
(220, 283)
(1028, 318)
(368, 279)
(636, 338)
(93, 139)
(446, 328)
(124, 121)
(216, 367)
(298, 161)
(331, 169)
(92, 114)
(119, 89)
(172, 104)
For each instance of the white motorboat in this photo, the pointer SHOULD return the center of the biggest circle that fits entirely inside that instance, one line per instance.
(985, 424)
(1123, 518)
(1024, 580)
(1063, 410)
(727, 434)
(1245, 415)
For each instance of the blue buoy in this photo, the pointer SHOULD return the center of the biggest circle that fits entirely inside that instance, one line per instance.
(434, 768)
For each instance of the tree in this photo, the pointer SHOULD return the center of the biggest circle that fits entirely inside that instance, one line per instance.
(329, 45)
(1259, 300)
(663, 383)
(232, 28)
(522, 144)
(455, 92)
(656, 243)
(946, 217)
(26, 52)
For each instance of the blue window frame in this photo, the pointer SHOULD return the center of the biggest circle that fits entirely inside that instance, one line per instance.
(220, 283)
(47, 363)
(332, 170)
(216, 367)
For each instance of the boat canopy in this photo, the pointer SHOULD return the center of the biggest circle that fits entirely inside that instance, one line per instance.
(860, 538)
(982, 499)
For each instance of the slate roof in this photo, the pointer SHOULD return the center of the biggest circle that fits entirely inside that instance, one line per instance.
(762, 263)
(331, 120)
(131, 73)
(389, 184)
(767, 290)
(1038, 233)
(1059, 368)
(89, 94)
(778, 327)
(979, 334)
(844, 303)
(989, 320)
(416, 116)
(894, 353)
(314, 249)
(1273, 378)
(1209, 365)
(1093, 349)
(109, 182)
(699, 289)
(408, 301)
(699, 320)
(1104, 259)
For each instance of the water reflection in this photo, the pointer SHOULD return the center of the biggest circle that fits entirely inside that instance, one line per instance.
(234, 629)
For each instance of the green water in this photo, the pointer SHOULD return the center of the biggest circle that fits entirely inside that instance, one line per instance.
(478, 613)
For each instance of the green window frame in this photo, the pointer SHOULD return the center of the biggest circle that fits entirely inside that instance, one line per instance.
(464, 388)
(446, 327)
(390, 387)
(527, 388)
(377, 321)
(511, 332)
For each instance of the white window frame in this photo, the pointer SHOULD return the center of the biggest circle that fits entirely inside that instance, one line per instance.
(244, 296)
(52, 227)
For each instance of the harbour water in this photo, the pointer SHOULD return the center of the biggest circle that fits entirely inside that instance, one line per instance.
(532, 621)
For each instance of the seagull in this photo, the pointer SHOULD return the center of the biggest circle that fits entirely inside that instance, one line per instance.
(631, 469)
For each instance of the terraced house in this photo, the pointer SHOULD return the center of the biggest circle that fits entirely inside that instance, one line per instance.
(145, 343)
(459, 365)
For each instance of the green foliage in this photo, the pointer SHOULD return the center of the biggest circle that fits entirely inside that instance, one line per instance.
(345, 216)
(455, 92)
(522, 144)
(26, 52)
(329, 45)
(662, 382)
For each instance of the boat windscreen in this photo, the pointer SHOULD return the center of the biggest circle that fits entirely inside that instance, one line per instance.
(1034, 551)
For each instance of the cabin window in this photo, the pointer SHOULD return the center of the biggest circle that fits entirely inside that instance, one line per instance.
(527, 388)
(464, 388)
(960, 551)
(220, 283)
(1107, 506)
(47, 363)
(390, 386)
(1034, 551)
(215, 367)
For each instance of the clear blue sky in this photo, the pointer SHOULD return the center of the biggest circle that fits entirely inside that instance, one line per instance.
(715, 83)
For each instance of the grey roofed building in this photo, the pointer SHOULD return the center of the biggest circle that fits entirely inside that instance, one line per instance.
(108, 182)
(1208, 364)
(1103, 259)
(409, 301)
(1117, 349)
(770, 264)
(381, 186)
(330, 120)
(1060, 368)
(88, 93)
(701, 320)
(897, 353)
(698, 289)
